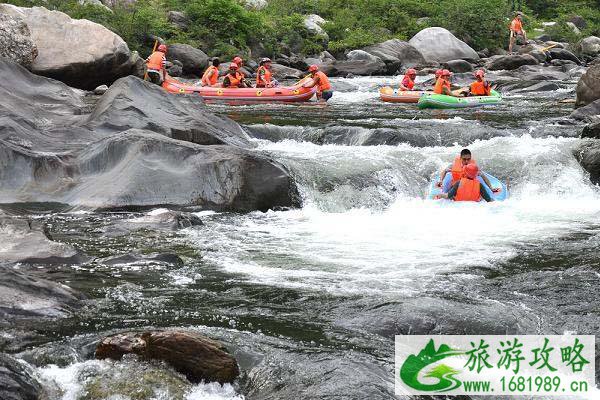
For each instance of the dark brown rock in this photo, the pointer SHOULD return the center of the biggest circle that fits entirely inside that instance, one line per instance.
(197, 357)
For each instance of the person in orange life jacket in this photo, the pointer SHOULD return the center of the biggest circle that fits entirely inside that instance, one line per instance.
(442, 85)
(320, 80)
(408, 82)
(516, 30)
(234, 78)
(156, 65)
(211, 75)
(468, 188)
(438, 73)
(457, 167)
(238, 60)
(480, 87)
(264, 76)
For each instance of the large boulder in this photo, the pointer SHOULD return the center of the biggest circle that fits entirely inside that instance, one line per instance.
(563, 54)
(80, 53)
(458, 66)
(511, 62)
(17, 381)
(194, 61)
(361, 55)
(590, 46)
(588, 155)
(357, 67)
(197, 357)
(592, 130)
(128, 151)
(178, 19)
(313, 24)
(589, 112)
(15, 37)
(440, 45)
(396, 54)
(283, 72)
(588, 87)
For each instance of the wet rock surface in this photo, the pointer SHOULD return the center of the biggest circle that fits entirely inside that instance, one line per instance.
(588, 87)
(197, 357)
(17, 381)
(138, 146)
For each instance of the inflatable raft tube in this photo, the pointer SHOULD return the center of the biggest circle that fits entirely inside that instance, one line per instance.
(434, 190)
(388, 95)
(441, 101)
(286, 94)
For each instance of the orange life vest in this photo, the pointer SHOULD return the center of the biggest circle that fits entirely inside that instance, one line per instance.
(213, 79)
(481, 88)
(263, 77)
(458, 168)
(235, 80)
(516, 26)
(156, 61)
(468, 190)
(440, 84)
(323, 83)
(407, 82)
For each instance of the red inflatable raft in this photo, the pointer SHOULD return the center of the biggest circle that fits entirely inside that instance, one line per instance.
(388, 94)
(287, 94)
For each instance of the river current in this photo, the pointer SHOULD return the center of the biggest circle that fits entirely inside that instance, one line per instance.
(309, 300)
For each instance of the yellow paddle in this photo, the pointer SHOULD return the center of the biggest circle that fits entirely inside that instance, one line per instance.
(386, 90)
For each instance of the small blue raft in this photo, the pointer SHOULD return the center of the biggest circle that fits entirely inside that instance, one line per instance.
(499, 196)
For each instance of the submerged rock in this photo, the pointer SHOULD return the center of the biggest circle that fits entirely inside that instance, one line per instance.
(440, 45)
(15, 37)
(17, 381)
(78, 52)
(197, 357)
(588, 87)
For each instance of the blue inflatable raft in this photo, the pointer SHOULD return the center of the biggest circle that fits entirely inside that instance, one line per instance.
(434, 190)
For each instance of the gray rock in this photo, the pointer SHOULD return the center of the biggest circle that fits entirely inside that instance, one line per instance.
(175, 70)
(439, 45)
(590, 46)
(361, 55)
(283, 72)
(396, 54)
(138, 65)
(256, 4)
(80, 53)
(574, 28)
(562, 54)
(313, 24)
(588, 87)
(17, 381)
(194, 61)
(539, 87)
(144, 259)
(458, 66)
(361, 68)
(578, 21)
(128, 151)
(592, 130)
(22, 243)
(588, 155)
(178, 19)
(588, 112)
(160, 219)
(325, 55)
(511, 62)
(100, 90)
(17, 45)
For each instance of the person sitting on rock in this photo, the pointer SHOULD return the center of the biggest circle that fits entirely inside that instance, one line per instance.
(480, 87)
(408, 82)
(156, 65)
(264, 76)
(320, 80)
(211, 75)
(468, 188)
(516, 31)
(234, 78)
(442, 85)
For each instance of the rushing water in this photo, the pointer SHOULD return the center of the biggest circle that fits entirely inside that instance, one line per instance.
(309, 300)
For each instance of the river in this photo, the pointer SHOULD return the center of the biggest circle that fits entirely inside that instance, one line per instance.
(309, 300)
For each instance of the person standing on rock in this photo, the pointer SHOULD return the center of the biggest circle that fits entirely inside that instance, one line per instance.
(156, 65)
(320, 80)
(234, 78)
(408, 82)
(516, 30)
(211, 75)
(264, 76)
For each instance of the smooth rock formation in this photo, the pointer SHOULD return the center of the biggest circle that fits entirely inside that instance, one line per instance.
(361, 55)
(17, 381)
(358, 67)
(592, 130)
(159, 219)
(397, 55)
(22, 243)
(80, 53)
(588, 155)
(458, 66)
(440, 45)
(195, 356)
(193, 61)
(588, 87)
(140, 146)
(17, 45)
(283, 72)
(590, 46)
(178, 19)
(588, 112)
(100, 90)
(562, 54)
(313, 24)
(511, 62)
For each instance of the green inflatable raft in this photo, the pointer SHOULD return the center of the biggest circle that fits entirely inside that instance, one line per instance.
(441, 101)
